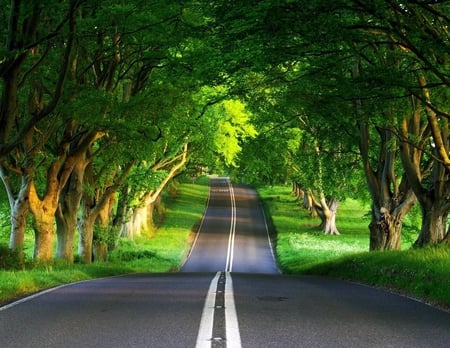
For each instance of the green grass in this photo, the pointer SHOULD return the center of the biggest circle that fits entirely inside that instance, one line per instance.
(164, 252)
(301, 248)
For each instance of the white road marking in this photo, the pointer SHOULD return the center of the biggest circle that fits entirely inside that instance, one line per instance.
(194, 243)
(206, 323)
(205, 332)
(268, 238)
(230, 252)
(231, 320)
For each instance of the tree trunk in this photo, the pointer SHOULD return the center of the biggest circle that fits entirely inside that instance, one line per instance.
(86, 235)
(44, 222)
(434, 223)
(121, 211)
(19, 214)
(128, 226)
(160, 211)
(44, 238)
(446, 239)
(67, 213)
(103, 232)
(19, 211)
(100, 252)
(65, 236)
(385, 230)
(297, 190)
(308, 203)
(329, 210)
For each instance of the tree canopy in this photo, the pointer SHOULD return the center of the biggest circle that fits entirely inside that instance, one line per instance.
(103, 103)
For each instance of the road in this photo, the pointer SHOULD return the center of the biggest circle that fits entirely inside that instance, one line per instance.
(229, 293)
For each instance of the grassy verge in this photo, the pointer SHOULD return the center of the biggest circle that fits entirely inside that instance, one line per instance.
(303, 249)
(163, 253)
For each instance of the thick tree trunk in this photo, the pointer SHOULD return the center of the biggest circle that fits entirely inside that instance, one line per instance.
(308, 203)
(67, 213)
(329, 210)
(434, 223)
(19, 215)
(19, 212)
(44, 222)
(44, 238)
(447, 237)
(297, 190)
(140, 222)
(128, 226)
(385, 230)
(65, 234)
(86, 235)
(158, 212)
(121, 211)
(104, 231)
(100, 251)
(66, 226)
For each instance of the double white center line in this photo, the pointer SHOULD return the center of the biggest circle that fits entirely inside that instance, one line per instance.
(219, 302)
(230, 252)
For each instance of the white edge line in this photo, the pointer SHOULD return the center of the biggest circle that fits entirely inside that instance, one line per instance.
(46, 291)
(231, 321)
(205, 330)
(33, 296)
(199, 228)
(268, 238)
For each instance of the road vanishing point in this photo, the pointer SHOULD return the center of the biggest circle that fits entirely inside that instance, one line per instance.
(229, 293)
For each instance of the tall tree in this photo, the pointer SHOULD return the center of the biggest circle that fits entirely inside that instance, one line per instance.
(35, 36)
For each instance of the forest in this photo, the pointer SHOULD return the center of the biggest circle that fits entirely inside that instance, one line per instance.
(104, 103)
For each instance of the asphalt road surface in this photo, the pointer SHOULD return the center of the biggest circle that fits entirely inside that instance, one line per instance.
(229, 294)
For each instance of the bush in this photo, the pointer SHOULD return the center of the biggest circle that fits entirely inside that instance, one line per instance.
(130, 255)
(10, 259)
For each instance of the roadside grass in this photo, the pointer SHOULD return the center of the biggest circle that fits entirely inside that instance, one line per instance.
(301, 248)
(164, 252)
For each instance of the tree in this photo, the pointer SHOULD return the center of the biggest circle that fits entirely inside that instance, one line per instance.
(417, 32)
(36, 34)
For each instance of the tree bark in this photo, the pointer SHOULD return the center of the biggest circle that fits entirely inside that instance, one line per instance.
(328, 215)
(67, 212)
(434, 223)
(103, 231)
(19, 213)
(447, 236)
(385, 230)
(19, 210)
(44, 223)
(44, 238)
(86, 235)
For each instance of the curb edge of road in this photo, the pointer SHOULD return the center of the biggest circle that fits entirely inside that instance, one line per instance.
(25, 298)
